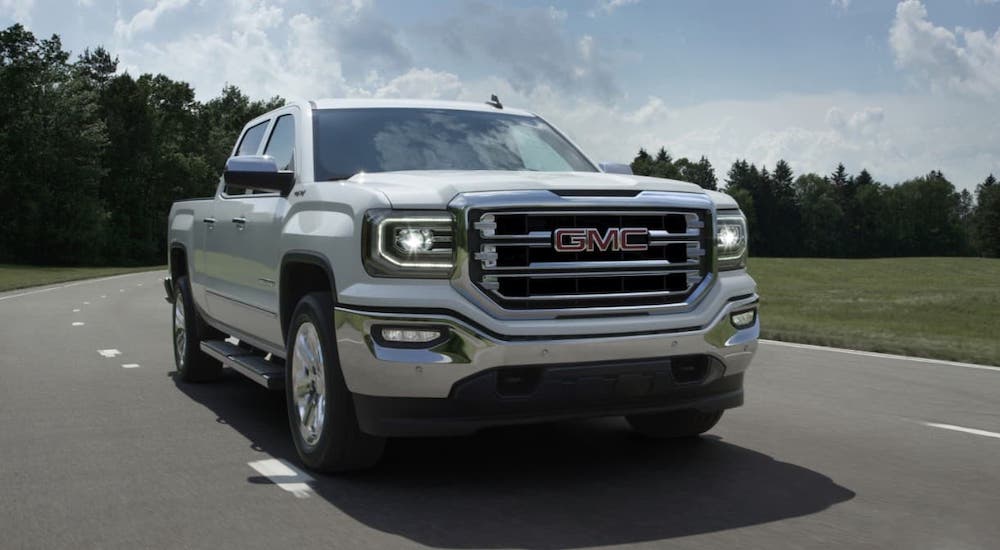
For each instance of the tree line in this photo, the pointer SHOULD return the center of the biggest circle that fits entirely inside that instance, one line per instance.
(91, 160)
(844, 215)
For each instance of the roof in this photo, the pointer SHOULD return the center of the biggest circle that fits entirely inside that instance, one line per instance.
(345, 103)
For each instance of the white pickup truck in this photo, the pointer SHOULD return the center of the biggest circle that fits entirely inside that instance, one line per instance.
(412, 268)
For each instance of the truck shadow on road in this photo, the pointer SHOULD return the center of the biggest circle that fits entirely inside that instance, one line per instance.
(566, 485)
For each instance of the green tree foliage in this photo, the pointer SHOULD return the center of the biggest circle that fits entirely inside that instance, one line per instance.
(845, 215)
(50, 151)
(93, 159)
(926, 210)
(986, 217)
(664, 166)
(822, 216)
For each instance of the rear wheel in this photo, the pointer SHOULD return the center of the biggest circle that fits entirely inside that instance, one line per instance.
(189, 330)
(321, 412)
(685, 423)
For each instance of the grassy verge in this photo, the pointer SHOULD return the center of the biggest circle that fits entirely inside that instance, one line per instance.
(944, 308)
(22, 276)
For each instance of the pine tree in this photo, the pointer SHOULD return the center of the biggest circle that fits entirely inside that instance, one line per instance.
(986, 220)
(642, 164)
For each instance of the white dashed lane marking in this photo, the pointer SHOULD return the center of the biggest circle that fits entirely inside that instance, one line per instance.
(78, 324)
(76, 311)
(962, 429)
(285, 476)
(109, 352)
(86, 303)
(130, 366)
(104, 295)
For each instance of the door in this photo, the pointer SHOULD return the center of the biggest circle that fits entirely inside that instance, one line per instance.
(248, 228)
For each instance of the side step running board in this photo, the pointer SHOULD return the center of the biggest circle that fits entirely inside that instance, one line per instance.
(252, 366)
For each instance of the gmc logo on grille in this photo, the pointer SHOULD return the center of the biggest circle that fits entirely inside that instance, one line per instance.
(626, 239)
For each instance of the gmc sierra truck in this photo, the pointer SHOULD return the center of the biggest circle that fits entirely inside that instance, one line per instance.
(417, 268)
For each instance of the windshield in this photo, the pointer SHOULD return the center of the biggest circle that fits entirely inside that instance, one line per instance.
(348, 141)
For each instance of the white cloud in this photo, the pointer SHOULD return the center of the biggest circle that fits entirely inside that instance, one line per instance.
(959, 60)
(864, 122)
(146, 18)
(259, 49)
(18, 10)
(607, 6)
(529, 48)
(422, 84)
(842, 4)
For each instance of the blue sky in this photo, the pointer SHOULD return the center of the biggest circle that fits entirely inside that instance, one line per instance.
(898, 87)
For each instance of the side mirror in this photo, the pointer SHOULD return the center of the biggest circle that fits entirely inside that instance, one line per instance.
(616, 168)
(258, 172)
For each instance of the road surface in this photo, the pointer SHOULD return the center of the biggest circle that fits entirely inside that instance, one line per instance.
(100, 447)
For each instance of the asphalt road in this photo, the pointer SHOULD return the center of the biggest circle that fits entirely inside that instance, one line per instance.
(831, 450)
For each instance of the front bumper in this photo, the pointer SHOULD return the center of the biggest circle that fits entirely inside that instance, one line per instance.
(455, 386)
(556, 392)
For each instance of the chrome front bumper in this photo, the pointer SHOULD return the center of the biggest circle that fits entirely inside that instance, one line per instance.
(372, 369)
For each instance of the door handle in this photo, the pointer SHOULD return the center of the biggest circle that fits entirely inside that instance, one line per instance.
(241, 223)
(209, 221)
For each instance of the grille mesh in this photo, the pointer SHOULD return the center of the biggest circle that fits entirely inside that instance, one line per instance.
(513, 260)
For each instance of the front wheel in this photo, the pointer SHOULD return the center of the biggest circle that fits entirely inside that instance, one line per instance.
(684, 423)
(321, 412)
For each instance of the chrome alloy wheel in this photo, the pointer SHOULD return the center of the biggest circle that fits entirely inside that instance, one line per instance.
(180, 334)
(309, 383)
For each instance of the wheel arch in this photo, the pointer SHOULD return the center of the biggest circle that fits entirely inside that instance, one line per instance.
(300, 273)
(178, 260)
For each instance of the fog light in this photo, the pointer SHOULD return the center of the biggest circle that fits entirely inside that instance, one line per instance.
(744, 319)
(419, 337)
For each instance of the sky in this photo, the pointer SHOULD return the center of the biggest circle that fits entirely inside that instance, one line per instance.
(897, 87)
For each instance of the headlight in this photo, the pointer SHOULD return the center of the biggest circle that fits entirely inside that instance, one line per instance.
(731, 240)
(409, 244)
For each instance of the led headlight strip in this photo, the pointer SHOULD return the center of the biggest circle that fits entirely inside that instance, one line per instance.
(409, 244)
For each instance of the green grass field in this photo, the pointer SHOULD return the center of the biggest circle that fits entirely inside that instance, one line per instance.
(22, 276)
(945, 308)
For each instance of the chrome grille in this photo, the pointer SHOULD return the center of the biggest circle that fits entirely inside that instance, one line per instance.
(513, 261)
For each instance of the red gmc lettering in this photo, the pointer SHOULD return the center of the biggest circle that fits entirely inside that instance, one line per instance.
(590, 239)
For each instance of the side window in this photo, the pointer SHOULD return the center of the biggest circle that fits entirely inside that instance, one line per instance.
(248, 146)
(281, 145)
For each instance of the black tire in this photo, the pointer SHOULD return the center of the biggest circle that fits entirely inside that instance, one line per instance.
(338, 444)
(193, 365)
(684, 423)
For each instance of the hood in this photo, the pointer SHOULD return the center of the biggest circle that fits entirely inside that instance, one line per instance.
(435, 189)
